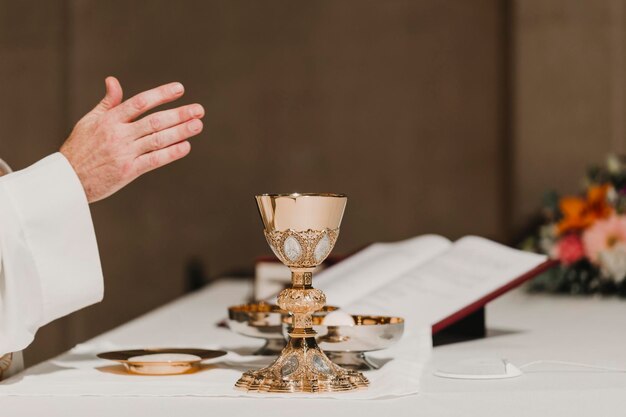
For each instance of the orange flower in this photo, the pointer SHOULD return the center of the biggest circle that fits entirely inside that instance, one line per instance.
(580, 213)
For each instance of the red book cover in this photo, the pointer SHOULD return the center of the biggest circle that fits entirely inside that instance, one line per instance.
(481, 302)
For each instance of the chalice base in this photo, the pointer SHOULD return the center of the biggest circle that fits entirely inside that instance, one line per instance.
(302, 367)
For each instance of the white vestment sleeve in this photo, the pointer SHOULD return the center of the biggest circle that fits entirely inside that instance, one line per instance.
(49, 263)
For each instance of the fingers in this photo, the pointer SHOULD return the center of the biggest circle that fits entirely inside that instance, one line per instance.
(165, 119)
(142, 102)
(168, 137)
(113, 96)
(153, 160)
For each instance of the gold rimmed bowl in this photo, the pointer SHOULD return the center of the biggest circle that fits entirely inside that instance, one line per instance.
(347, 345)
(163, 361)
(263, 320)
(259, 320)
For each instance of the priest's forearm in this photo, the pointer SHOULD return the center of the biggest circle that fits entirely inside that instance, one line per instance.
(49, 258)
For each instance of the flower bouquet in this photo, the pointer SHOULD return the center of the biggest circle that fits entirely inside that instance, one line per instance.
(586, 234)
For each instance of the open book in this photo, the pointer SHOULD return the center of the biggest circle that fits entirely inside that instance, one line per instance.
(427, 279)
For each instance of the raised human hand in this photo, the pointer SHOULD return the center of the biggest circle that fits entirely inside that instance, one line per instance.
(110, 147)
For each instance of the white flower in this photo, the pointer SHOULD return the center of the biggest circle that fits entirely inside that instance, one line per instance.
(547, 240)
(613, 262)
(612, 196)
(613, 164)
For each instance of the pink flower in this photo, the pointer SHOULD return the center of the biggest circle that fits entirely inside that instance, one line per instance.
(570, 249)
(603, 235)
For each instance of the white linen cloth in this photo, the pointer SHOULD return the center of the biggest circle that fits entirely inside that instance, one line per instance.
(80, 373)
(49, 262)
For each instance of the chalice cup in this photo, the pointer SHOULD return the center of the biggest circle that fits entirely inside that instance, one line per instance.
(301, 229)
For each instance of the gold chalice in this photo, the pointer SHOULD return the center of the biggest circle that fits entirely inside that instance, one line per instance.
(301, 229)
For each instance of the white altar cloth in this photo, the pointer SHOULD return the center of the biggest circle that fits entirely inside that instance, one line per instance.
(80, 372)
(523, 328)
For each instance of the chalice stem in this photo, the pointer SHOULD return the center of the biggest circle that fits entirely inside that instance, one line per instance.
(302, 335)
(301, 300)
(302, 326)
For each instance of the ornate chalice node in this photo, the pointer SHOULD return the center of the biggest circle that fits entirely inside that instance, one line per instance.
(301, 229)
(263, 321)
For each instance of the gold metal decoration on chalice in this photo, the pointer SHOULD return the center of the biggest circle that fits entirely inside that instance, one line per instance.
(302, 229)
(5, 362)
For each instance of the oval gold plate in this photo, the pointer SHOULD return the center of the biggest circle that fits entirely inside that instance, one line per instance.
(170, 367)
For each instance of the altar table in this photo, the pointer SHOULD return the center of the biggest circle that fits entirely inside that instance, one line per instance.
(522, 328)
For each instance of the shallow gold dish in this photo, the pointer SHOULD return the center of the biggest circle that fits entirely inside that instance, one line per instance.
(259, 320)
(347, 345)
(161, 367)
(263, 320)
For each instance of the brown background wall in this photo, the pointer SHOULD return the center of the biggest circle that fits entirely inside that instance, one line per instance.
(569, 88)
(403, 105)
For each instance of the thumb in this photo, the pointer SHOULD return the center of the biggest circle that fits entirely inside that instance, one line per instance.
(113, 96)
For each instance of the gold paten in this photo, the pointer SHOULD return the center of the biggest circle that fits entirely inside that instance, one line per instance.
(162, 367)
(301, 229)
(5, 362)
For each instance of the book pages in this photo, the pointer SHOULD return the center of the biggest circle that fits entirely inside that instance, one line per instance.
(470, 269)
(375, 267)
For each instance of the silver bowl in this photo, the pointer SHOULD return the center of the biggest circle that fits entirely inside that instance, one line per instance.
(260, 320)
(347, 345)
(263, 320)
